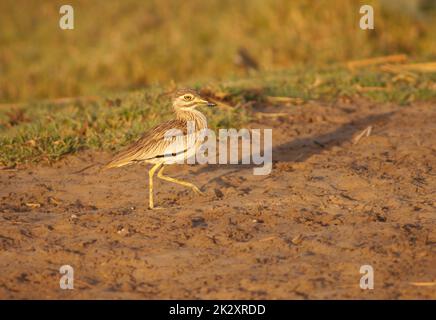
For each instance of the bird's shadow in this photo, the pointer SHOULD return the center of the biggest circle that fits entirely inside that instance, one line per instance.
(300, 149)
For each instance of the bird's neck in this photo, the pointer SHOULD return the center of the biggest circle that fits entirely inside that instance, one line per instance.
(193, 115)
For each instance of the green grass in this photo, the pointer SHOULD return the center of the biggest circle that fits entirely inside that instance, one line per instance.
(46, 131)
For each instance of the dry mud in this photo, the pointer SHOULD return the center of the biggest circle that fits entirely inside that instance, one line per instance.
(303, 232)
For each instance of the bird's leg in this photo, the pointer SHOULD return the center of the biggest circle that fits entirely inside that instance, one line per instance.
(183, 183)
(150, 184)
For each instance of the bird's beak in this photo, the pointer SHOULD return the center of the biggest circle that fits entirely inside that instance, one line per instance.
(207, 103)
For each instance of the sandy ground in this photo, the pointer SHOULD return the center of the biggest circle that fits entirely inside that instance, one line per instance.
(328, 207)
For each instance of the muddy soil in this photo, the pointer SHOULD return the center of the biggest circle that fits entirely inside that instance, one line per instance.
(302, 232)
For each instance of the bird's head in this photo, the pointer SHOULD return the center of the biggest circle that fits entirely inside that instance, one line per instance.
(188, 99)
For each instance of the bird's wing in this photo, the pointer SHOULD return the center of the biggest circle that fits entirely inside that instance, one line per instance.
(152, 144)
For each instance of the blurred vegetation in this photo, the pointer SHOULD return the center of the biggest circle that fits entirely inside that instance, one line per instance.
(123, 55)
(130, 44)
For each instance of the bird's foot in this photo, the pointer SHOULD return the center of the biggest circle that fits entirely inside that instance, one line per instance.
(198, 191)
(156, 208)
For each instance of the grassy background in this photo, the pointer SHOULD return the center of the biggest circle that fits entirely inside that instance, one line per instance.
(130, 44)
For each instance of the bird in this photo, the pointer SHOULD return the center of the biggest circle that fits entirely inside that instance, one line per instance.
(169, 141)
(245, 60)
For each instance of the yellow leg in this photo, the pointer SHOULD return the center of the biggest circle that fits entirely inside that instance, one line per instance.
(183, 183)
(150, 184)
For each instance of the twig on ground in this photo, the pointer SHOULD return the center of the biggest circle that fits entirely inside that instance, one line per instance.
(423, 284)
(398, 58)
(364, 133)
(33, 205)
(266, 239)
(274, 115)
(427, 67)
(284, 100)
(9, 168)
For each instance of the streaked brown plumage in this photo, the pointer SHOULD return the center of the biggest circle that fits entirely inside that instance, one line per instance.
(169, 141)
(149, 147)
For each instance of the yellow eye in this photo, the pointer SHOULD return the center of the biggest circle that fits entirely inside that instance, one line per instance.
(188, 97)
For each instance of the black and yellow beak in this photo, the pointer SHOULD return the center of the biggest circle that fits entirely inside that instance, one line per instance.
(206, 103)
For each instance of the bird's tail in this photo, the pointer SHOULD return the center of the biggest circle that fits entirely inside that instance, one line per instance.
(116, 163)
(87, 167)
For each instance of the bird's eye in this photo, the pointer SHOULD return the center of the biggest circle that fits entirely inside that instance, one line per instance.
(188, 97)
